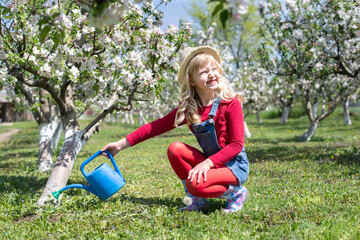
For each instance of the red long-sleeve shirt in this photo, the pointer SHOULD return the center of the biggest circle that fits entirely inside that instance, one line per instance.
(229, 127)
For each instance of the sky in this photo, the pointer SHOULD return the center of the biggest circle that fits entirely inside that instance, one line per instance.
(173, 12)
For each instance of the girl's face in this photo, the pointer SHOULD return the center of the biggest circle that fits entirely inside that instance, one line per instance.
(206, 78)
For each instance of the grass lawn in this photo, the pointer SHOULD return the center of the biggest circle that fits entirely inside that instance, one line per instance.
(297, 190)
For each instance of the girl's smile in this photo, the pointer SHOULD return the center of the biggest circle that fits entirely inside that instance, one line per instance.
(211, 82)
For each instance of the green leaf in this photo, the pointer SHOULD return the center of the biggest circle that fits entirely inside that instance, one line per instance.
(43, 21)
(44, 33)
(57, 39)
(224, 15)
(55, 15)
(217, 9)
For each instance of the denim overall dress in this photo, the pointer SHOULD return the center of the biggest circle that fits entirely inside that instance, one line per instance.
(206, 136)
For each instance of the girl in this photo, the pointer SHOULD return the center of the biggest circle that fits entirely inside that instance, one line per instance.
(213, 112)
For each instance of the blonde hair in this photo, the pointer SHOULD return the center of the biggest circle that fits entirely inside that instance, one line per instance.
(191, 102)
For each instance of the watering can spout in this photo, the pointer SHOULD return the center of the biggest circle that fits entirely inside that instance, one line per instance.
(87, 188)
(57, 194)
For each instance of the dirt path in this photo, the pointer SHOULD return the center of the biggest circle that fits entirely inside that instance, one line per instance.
(6, 136)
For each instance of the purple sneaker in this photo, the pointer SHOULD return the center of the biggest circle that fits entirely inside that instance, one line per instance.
(236, 198)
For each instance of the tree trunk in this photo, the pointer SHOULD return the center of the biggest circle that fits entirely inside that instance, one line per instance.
(131, 117)
(258, 118)
(346, 112)
(57, 135)
(142, 119)
(128, 118)
(63, 165)
(310, 132)
(314, 109)
(111, 118)
(49, 135)
(285, 114)
(246, 129)
(125, 118)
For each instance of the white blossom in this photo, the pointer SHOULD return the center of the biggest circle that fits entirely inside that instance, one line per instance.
(291, 4)
(146, 75)
(59, 73)
(135, 58)
(78, 36)
(87, 47)
(298, 33)
(318, 66)
(263, 7)
(117, 61)
(45, 68)
(65, 20)
(74, 71)
(3, 75)
(172, 30)
(35, 51)
(32, 58)
(239, 7)
(85, 30)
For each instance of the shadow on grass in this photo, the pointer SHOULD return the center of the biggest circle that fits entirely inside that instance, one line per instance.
(346, 155)
(215, 204)
(20, 183)
(11, 156)
(152, 201)
(22, 140)
(292, 139)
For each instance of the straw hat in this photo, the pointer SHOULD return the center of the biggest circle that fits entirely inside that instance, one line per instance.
(190, 52)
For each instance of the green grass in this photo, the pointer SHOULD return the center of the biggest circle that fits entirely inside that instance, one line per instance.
(297, 190)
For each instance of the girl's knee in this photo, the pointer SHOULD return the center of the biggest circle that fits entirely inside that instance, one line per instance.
(175, 148)
(194, 188)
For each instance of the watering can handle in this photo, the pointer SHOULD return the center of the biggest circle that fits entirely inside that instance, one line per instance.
(94, 156)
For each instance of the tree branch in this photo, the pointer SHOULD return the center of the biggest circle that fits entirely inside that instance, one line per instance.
(309, 106)
(63, 89)
(331, 109)
(43, 80)
(15, 72)
(29, 97)
(345, 70)
(54, 94)
(33, 10)
(93, 125)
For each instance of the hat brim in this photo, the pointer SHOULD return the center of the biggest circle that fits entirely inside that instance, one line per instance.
(193, 53)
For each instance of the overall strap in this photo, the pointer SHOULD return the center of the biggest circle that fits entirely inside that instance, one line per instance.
(214, 108)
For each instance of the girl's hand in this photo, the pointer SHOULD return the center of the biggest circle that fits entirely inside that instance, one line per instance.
(115, 147)
(200, 169)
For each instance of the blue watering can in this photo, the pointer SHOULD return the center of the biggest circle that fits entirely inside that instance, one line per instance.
(103, 180)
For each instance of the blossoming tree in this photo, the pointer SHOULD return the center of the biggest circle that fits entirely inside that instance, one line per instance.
(52, 47)
(315, 48)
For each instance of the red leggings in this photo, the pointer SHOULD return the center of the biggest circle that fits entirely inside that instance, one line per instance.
(184, 157)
